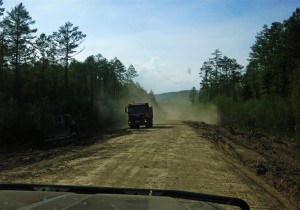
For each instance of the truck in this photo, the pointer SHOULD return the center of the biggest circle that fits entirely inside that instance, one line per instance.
(139, 114)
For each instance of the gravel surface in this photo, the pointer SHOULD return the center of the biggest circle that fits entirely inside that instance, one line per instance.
(171, 155)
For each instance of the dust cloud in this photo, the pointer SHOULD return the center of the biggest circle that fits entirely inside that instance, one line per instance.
(207, 113)
(177, 106)
(112, 111)
(112, 114)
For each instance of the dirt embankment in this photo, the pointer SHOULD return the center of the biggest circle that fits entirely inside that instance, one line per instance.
(276, 161)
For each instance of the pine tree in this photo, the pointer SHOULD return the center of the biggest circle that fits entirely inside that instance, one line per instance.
(68, 39)
(117, 76)
(2, 50)
(193, 95)
(130, 74)
(1, 9)
(43, 48)
(19, 38)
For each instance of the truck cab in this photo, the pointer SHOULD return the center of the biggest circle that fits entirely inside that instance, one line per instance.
(139, 114)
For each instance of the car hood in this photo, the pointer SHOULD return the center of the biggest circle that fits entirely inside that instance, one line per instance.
(11, 199)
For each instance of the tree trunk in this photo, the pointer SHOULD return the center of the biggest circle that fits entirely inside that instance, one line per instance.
(1, 65)
(43, 78)
(17, 76)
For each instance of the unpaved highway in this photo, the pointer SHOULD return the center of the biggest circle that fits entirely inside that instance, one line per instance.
(169, 156)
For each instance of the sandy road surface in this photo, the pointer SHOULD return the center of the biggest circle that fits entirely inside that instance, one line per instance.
(169, 156)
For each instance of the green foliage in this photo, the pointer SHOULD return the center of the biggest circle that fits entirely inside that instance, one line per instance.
(296, 108)
(193, 96)
(220, 76)
(23, 126)
(68, 38)
(1, 9)
(274, 59)
(94, 92)
(274, 117)
(17, 32)
(269, 116)
(130, 74)
(266, 98)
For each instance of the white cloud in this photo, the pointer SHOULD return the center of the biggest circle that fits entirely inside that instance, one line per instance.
(161, 38)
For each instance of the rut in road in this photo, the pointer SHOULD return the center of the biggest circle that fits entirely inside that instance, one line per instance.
(164, 157)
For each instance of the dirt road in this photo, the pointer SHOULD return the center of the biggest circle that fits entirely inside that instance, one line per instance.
(169, 156)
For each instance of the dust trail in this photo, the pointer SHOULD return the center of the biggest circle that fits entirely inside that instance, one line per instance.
(177, 106)
(112, 112)
(207, 113)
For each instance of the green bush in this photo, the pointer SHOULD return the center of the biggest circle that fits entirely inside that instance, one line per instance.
(272, 116)
(22, 127)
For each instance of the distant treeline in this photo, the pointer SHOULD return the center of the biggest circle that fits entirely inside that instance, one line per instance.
(265, 96)
(39, 78)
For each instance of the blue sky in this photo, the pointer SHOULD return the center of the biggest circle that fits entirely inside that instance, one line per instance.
(161, 38)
